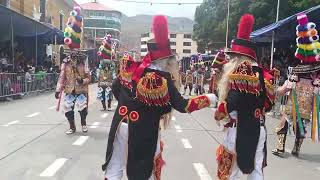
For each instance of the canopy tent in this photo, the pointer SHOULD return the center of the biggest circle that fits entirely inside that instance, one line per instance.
(285, 30)
(25, 27)
(15, 27)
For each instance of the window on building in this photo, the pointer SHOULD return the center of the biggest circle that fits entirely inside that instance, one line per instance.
(143, 42)
(173, 50)
(145, 35)
(144, 50)
(173, 35)
(186, 43)
(187, 36)
(187, 51)
(173, 43)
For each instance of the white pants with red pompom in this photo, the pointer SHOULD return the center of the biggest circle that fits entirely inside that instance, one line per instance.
(118, 161)
(230, 143)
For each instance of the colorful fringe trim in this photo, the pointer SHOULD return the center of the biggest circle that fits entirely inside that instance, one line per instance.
(315, 128)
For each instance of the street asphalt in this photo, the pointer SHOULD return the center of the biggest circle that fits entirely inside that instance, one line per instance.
(33, 145)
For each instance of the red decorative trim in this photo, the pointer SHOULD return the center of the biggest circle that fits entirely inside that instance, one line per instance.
(134, 116)
(123, 110)
(158, 163)
(257, 113)
(197, 103)
(225, 161)
(244, 51)
(221, 112)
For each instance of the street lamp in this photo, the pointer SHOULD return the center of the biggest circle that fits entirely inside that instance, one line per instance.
(272, 42)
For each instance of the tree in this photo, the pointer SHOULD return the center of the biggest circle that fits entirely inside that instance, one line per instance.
(211, 17)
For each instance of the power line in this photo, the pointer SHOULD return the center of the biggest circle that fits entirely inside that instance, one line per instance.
(151, 3)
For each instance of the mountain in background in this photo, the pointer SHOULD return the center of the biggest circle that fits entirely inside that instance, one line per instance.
(133, 27)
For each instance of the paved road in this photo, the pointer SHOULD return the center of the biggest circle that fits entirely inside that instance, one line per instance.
(33, 145)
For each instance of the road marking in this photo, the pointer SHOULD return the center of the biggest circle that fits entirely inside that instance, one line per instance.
(10, 123)
(318, 168)
(288, 150)
(104, 115)
(173, 118)
(52, 107)
(186, 143)
(95, 125)
(81, 140)
(178, 128)
(53, 168)
(201, 171)
(33, 115)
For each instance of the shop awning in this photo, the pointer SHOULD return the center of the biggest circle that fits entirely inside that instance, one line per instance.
(25, 27)
(285, 30)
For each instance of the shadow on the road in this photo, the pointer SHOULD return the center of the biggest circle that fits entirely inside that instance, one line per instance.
(315, 158)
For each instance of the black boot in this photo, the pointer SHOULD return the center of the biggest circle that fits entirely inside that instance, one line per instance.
(70, 116)
(83, 116)
(280, 148)
(297, 146)
(104, 105)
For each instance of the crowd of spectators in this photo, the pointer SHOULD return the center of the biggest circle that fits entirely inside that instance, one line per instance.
(23, 78)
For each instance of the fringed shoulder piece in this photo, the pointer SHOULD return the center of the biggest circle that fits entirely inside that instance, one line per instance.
(270, 90)
(152, 90)
(244, 79)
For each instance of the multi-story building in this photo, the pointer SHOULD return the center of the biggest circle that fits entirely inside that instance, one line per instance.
(180, 43)
(50, 11)
(100, 20)
(54, 12)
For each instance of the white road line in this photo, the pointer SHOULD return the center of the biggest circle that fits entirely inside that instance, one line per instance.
(318, 168)
(104, 115)
(288, 151)
(95, 125)
(10, 123)
(173, 118)
(53, 168)
(201, 171)
(33, 115)
(186, 143)
(178, 128)
(52, 107)
(81, 140)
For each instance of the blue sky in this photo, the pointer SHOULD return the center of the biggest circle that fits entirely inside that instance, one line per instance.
(132, 9)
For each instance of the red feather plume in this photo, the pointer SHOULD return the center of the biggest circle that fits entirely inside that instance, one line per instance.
(245, 26)
(160, 30)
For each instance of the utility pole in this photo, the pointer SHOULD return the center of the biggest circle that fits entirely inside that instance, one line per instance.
(273, 34)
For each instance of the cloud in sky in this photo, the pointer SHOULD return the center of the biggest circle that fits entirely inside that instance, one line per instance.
(132, 9)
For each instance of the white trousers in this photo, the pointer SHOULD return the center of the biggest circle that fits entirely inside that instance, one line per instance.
(230, 144)
(118, 161)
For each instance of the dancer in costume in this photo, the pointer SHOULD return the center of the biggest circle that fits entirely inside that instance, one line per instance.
(189, 82)
(302, 88)
(73, 82)
(153, 95)
(74, 77)
(105, 84)
(118, 137)
(106, 73)
(245, 94)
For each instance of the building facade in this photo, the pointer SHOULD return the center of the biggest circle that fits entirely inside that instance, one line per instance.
(49, 11)
(100, 20)
(180, 43)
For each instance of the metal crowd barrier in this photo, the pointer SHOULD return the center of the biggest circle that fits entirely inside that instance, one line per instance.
(17, 85)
